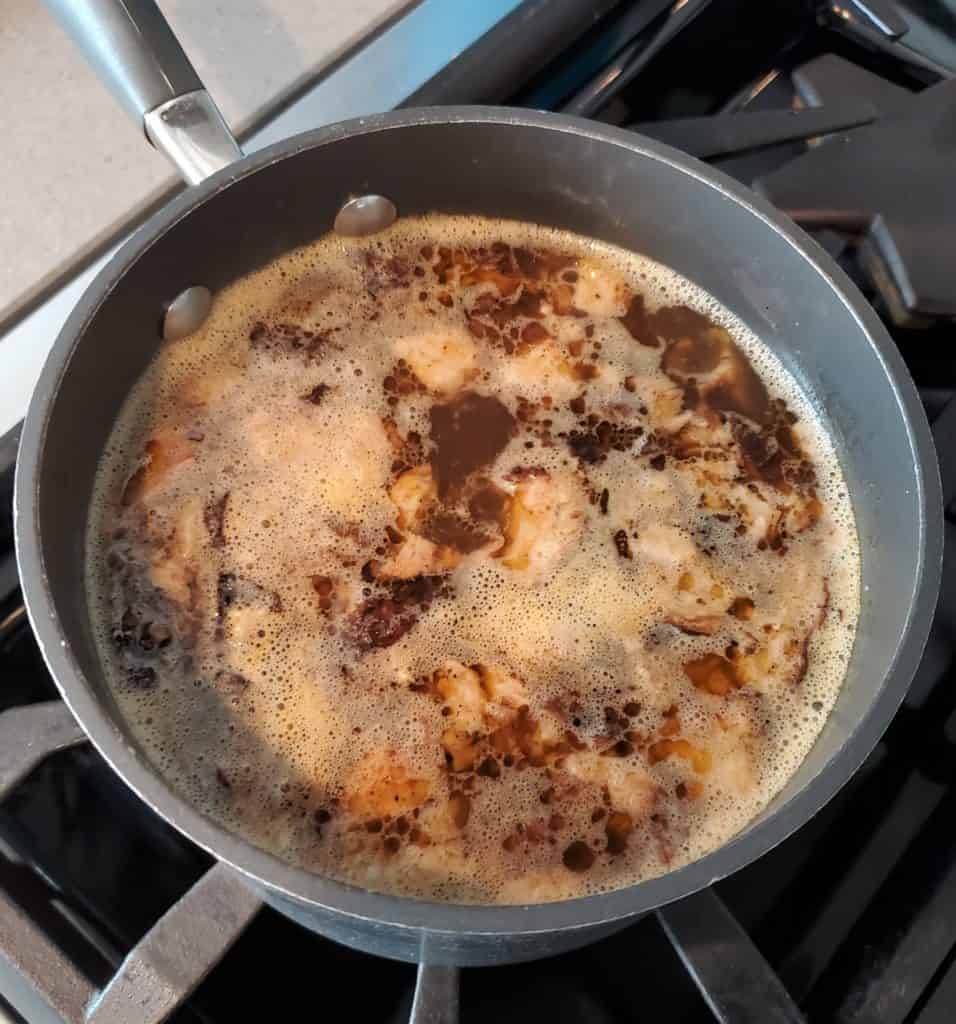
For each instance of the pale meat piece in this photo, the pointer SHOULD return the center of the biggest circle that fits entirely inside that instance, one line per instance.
(705, 448)
(444, 361)
(208, 389)
(415, 866)
(599, 291)
(667, 546)
(412, 494)
(765, 514)
(274, 440)
(732, 746)
(774, 660)
(479, 701)
(250, 631)
(722, 495)
(174, 569)
(545, 517)
(672, 748)
(417, 556)
(771, 648)
(775, 646)
(489, 717)
(164, 452)
(777, 652)
(541, 886)
(475, 690)
(502, 688)
(632, 788)
(695, 600)
(381, 785)
(537, 368)
(664, 402)
(721, 756)
(651, 687)
(339, 475)
(356, 465)
(650, 497)
(703, 434)
(461, 689)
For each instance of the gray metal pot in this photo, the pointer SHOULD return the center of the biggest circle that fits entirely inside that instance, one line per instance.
(574, 174)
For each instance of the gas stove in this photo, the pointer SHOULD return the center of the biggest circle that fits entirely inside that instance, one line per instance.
(842, 114)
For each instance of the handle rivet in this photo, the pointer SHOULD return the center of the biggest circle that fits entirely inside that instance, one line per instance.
(187, 312)
(364, 215)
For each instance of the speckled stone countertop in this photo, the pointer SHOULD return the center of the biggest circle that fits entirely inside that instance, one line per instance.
(72, 165)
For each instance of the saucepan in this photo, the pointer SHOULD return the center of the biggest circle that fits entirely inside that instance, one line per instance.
(244, 211)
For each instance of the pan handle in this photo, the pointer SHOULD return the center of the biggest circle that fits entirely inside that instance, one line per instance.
(131, 47)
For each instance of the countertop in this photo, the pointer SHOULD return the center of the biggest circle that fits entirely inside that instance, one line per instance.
(72, 165)
(73, 169)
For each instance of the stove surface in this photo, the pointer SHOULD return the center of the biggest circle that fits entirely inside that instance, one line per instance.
(856, 913)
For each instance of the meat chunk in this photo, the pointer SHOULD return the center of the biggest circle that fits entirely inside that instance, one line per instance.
(541, 886)
(417, 556)
(542, 366)
(338, 477)
(210, 387)
(503, 688)
(461, 689)
(488, 717)
(732, 748)
(174, 569)
(664, 403)
(775, 649)
(780, 660)
(412, 493)
(274, 440)
(695, 599)
(767, 515)
(698, 758)
(632, 788)
(163, 452)
(480, 700)
(382, 785)
(545, 517)
(599, 291)
(666, 546)
(444, 361)
(650, 498)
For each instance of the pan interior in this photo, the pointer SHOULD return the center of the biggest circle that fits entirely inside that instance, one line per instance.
(604, 186)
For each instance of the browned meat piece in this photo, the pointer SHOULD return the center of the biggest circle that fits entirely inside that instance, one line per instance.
(164, 451)
(381, 785)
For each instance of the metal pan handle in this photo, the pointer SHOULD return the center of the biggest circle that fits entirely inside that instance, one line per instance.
(131, 47)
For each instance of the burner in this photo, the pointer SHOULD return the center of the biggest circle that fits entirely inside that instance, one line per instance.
(830, 78)
(891, 180)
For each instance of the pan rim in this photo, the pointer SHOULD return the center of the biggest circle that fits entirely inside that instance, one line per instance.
(269, 872)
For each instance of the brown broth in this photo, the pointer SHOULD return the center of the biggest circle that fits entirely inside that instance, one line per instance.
(474, 562)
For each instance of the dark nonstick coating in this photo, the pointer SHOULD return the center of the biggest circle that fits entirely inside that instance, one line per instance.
(555, 170)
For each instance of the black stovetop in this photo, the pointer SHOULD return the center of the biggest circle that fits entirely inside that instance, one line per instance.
(857, 911)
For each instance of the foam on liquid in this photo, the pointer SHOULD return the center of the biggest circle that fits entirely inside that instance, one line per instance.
(274, 710)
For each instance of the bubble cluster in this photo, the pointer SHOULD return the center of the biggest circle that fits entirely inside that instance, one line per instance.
(242, 532)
